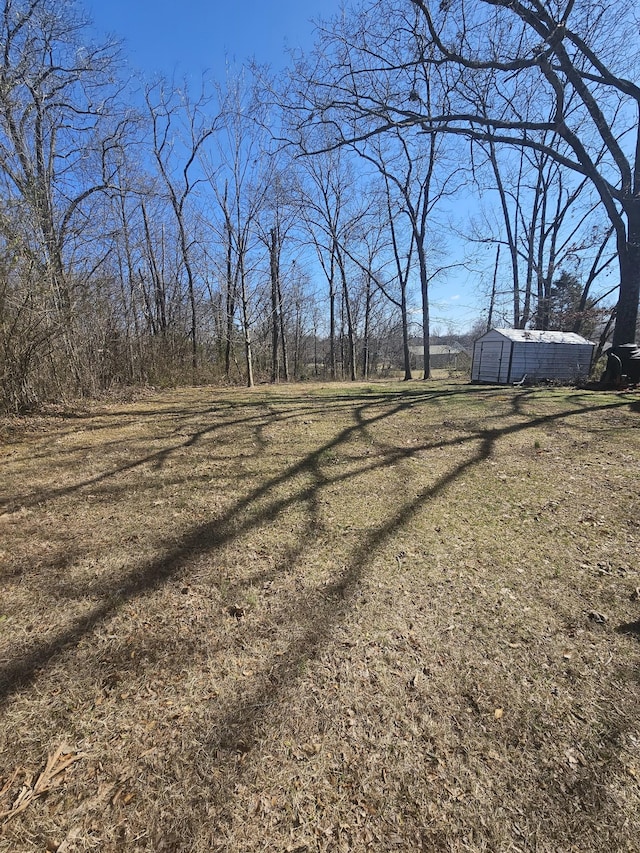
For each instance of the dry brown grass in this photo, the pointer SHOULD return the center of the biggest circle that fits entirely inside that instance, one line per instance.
(342, 618)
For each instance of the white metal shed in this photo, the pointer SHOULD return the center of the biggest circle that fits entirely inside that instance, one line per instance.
(502, 356)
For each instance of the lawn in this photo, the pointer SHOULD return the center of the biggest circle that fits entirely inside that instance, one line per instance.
(382, 616)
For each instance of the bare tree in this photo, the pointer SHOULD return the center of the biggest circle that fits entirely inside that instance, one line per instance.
(412, 167)
(333, 212)
(180, 128)
(549, 223)
(386, 263)
(578, 58)
(279, 217)
(238, 172)
(379, 232)
(59, 126)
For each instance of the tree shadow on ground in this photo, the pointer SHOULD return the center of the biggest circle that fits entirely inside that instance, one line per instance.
(632, 629)
(258, 414)
(310, 627)
(257, 507)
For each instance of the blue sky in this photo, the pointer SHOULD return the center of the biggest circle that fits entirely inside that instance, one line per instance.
(186, 38)
(193, 36)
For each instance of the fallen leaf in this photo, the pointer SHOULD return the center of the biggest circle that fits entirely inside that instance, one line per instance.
(574, 758)
(599, 618)
(55, 768)
(237, 612)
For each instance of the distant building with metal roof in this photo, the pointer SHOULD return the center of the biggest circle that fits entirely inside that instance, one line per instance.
(452, 356)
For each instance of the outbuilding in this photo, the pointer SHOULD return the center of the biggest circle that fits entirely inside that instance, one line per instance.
(451, 356)
(504, 356)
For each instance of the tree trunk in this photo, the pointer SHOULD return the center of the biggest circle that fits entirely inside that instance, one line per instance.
(192, 306)
(493, 290)
(406, 354)
(511, 238)
(367, 317)
(332, 327)
(283, 336)
(159, 322)
(351, 337)
(629, 260)
(425, 332)
(245, 327)
(275, 319)
(230, 308)
(424, 289)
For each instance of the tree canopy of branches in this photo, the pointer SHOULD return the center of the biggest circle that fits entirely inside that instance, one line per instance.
(61, 131)
(547, 222)
(551, 77)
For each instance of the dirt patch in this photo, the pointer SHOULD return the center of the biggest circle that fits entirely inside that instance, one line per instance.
(345, 617)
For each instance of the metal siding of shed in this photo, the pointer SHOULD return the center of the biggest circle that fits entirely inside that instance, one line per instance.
(550, 361)
(475, 361)
(505, 363)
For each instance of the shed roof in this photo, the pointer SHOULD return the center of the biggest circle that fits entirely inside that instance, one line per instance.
(539, 337)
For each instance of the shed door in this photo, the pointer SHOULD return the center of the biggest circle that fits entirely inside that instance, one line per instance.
(490, 361)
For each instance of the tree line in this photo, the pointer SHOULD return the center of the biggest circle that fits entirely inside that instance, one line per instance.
(272, 228)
